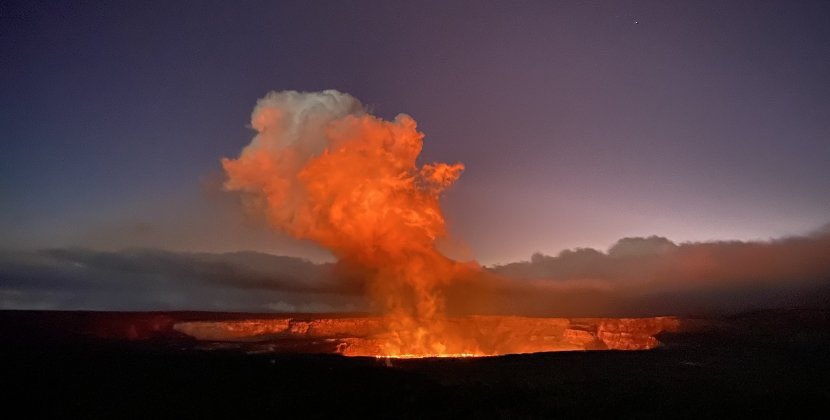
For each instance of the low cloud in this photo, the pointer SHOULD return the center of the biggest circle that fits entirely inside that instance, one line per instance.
(634, 277)
(148, 279)
(654, 275)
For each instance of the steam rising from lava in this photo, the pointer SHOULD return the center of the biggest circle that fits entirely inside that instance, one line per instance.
(322, 168)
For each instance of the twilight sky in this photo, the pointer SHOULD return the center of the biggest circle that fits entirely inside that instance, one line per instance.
(579, 122)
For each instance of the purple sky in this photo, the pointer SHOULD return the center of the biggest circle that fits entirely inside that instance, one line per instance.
(578, 122)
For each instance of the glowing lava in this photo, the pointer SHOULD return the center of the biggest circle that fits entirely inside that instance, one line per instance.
(430, 356)
(493, 335)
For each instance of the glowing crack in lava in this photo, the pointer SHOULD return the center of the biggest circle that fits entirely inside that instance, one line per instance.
(324, 169)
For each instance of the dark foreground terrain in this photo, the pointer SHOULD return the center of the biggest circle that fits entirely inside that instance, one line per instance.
(772, 363)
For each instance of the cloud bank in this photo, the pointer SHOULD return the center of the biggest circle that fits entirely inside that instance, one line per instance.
(149, 279)
(635, 276)
(655, 275)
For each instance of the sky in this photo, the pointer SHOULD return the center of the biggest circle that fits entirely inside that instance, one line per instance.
(579, 123)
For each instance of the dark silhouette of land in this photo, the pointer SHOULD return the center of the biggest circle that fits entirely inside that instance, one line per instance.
(768, 363)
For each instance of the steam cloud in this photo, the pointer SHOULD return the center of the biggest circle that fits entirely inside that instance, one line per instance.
(322, 168)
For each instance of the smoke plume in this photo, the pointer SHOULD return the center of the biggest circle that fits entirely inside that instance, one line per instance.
(322, 168)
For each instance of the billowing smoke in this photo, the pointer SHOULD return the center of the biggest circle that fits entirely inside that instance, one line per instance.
(322, 168)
